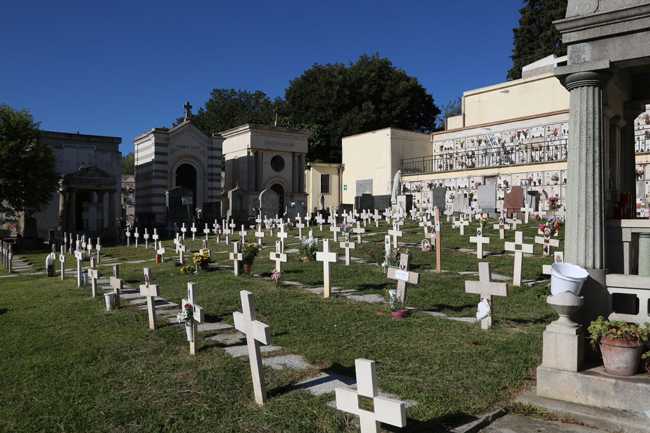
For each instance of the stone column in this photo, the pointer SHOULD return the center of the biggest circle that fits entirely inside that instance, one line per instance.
(111, 214)
(585, 222)
(301, 174)
(71, 210)
(62, 214)
(260, 165)
(100, 200)
(294, 171)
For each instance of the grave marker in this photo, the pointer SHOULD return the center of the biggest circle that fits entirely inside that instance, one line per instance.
(334, 228)
(486, 288)
(282, 235)
(365, 402)
(547, 243)
(256, 332)
(502, 227)
(395, 233)
(183, 231)
(526, 210)
(347, 245)
(358, 231)
(278, 256)
(326, 257)
(136, 235)
(519, 248)
(62, 260)
(79, 256)
(93, 274)
(117, 284)
(236, 257)
(438, 240)
(403, 276)
(146, 238)
(193, 230)
(150, 291)
(161, 252)
(479, 240)
(197, 314)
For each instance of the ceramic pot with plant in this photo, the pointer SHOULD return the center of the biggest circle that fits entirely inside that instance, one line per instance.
(397, 310)
(620, 343)
(249, 253)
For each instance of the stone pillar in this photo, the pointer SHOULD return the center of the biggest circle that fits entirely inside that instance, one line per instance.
(585, 222)
(100, 200)
(644, 254)
(301, 173)
(294, 171)
(71, 210)
(111, 214)
(260, 164)
(63, 222)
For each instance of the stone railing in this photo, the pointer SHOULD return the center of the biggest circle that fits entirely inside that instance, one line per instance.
(487, 157)
(628, 297)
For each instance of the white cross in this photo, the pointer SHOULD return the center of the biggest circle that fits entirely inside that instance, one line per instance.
(79, 255)
(326, 257)
(519, 248)
(155, 237)
(259, 234)
(161, 251)
(127, 233)
(395, 233)
(243, 234)
(358, 231)
(227, 232)
(376, 217)
(449, 212)
(320, 221)
(150, 291)
(180, 250)
(193, 230)
(236, 257)
(335, 229)
(197, 314)
(547, 243)
(93, 274)
(300, 226)
(136, 235)
(282, 235)
(183, 230)
(278, 256)
(479, 240)
(515, 222)
(206, 231)
(256, 333)
(461, 223)
(526, 210)
(347, 246)
(146, 239)
(117, 284)
(365, 402)
(486, 288)
(502, 226)
(403, 276)
(62, 260)
(232, 226)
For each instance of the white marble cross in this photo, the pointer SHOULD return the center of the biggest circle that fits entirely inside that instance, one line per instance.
(155, 238)
(93, 274)
(278, 256)
(242, 234)
(358, 231)
(326, 257)
(547, 242)
(259, 234)
(79, 255)
(395, 233)
(461, 223)
(320, 221)
(376, 217)
(227, 231)
(502, 227)
(334, 228)
(300, 226)
(256, 333)
(183, 231)
(117, 284)
(514, 222)
(150, 291)
(180, 250)
(197, 315)
(449, 212)
(127, 234)
(365, 402)
(519, 248)
(206, 231)
(282, 235)
(347, 246)
(486, 288)
(479, 240)
(236, 257)
(161, 252)
(62, 260)
(146, 239)
(403, 276)
(193, 230)
(136, 235)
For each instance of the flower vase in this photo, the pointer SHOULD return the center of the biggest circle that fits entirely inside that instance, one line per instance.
(196, 268)
(247, 266)
(189, 330)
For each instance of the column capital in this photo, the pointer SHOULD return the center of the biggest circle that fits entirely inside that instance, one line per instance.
(586, 79)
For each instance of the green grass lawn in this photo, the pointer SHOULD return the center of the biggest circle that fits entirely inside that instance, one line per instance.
(68, 365)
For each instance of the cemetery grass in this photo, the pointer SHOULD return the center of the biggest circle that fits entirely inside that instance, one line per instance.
(70, 365)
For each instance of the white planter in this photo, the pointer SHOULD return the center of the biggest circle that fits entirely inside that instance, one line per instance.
(566, 277)
(110, 301)
(84, 280)
(189, 330)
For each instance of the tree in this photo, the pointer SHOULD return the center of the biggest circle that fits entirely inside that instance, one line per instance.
(28, 175)
(363, 96)
(128, 163)
(536, 36)
(228, 108)
(453, 108)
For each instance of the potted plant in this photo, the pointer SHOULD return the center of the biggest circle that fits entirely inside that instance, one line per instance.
(555, 178)
(187, 270)
(620, 343)
(645, 361)
(249, 254)
(185, 316)
(202, 260)
(309, 248)
(397, 309)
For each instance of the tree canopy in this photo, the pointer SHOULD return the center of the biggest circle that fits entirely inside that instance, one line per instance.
(228, 108)
(128, 163)
(362, 96)
(536, 36)
(451, 109)
(28, 175)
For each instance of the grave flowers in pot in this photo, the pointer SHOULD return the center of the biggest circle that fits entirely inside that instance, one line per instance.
(620, 343)
(249, 254)
(308, 249)
(397, 310)
(202, 260)
(185, 316)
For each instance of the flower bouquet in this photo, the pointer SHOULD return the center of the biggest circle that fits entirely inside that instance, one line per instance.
(185, 316)
(187, 270)
(275, 276)
(202, 259)
(308, 249)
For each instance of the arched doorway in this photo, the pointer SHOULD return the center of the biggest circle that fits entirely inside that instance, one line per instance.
(279, 190)
(186, 177)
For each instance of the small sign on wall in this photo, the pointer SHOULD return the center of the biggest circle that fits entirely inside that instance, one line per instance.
(345, 187)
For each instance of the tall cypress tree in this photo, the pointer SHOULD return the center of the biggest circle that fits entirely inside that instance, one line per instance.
(536, 36)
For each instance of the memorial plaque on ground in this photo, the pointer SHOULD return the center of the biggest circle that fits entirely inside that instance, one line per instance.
(487, 198)
(514, 200)
(438, 197)
(269, 203)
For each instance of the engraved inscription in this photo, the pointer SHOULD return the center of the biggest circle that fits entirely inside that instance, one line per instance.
(274, 143)
(366, 403)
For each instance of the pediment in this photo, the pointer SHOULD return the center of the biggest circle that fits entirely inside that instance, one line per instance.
(89, 176)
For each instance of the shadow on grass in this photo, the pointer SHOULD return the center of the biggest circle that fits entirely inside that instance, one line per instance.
(455, 308)
(540, 320)
(378, 286)
(3, 310)
(436, 425)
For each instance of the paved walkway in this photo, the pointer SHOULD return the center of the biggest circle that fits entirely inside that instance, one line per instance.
(525, 424)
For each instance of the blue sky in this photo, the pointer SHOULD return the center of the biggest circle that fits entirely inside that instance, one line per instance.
(121, 68)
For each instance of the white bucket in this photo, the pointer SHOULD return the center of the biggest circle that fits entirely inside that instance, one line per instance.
(110, 301)
(392, 297)
(566, 277)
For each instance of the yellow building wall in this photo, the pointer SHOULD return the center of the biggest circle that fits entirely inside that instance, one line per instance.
(514, 99)
(313, 186)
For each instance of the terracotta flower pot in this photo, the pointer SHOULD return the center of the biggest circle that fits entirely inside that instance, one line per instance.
(305, 260)
(621, 357)
(399, 314)
(247, 266)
